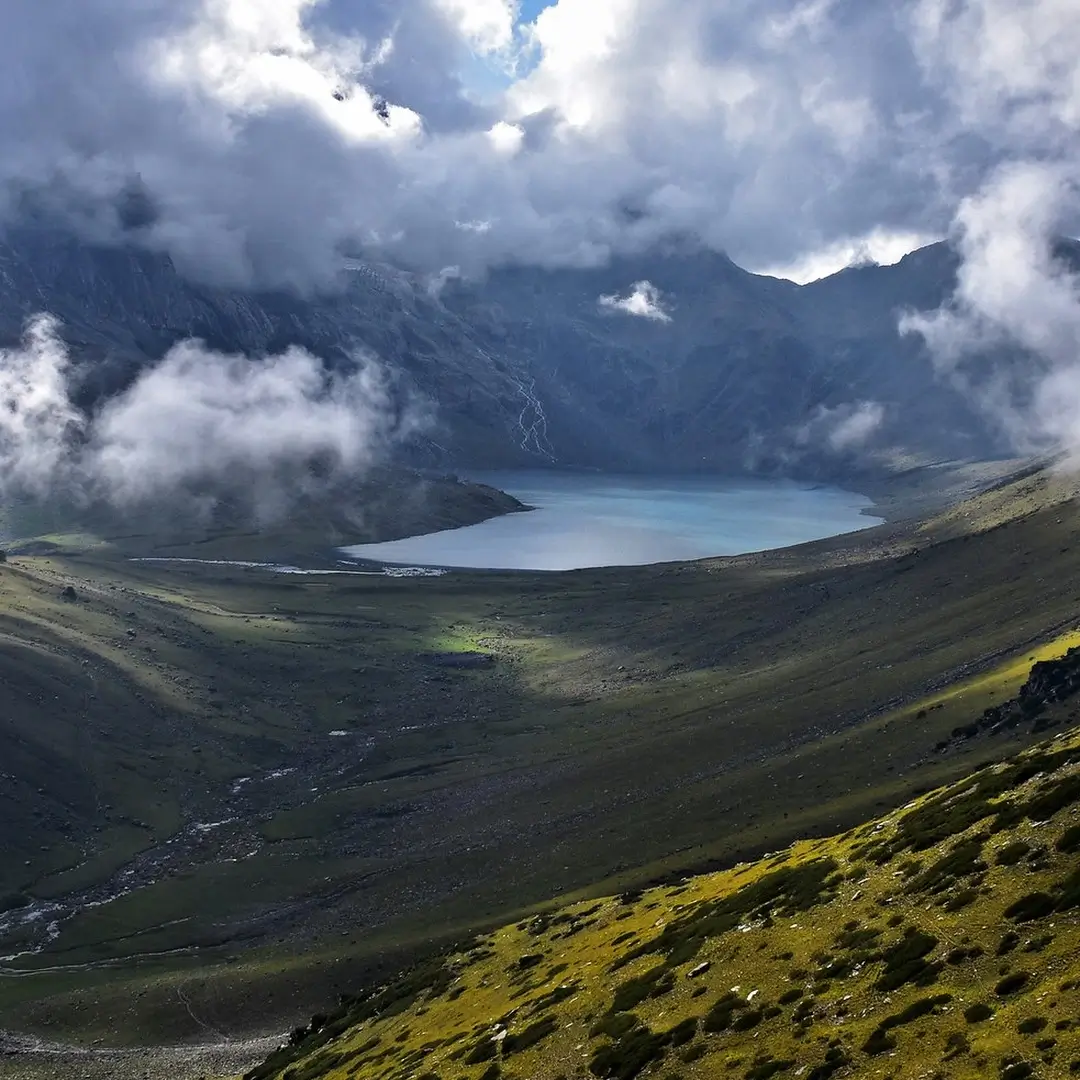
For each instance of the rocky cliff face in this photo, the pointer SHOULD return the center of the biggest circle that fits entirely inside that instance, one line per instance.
(746, 373)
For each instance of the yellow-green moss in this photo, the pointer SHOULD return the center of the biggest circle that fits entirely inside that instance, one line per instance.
(824, 963)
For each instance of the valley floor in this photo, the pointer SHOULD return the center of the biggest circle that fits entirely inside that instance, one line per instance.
(295, 785)
(25, 1059)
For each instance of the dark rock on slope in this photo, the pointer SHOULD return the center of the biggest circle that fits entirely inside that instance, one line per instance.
(1050, 682)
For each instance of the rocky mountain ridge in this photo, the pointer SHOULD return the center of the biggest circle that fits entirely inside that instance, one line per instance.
(734, 372)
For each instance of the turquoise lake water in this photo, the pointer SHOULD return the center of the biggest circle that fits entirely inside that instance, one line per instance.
(595, 519)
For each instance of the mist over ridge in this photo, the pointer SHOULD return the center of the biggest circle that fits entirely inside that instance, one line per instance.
(195, 424)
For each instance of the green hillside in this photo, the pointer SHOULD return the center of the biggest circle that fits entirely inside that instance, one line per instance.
(235, 795)
(942, 940)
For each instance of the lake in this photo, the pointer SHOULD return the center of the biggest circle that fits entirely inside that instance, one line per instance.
(587, 519)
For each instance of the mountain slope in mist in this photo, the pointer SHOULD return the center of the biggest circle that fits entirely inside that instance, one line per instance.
(679, 360)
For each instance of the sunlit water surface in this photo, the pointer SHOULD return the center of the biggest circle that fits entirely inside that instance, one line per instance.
(595, 519)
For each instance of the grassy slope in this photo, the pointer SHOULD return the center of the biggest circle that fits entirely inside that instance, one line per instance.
(637, 722)
(386, 505)
(942, 940)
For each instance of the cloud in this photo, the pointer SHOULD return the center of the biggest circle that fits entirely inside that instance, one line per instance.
(851, 426)
(196, 423)
(844, 428)
(436, 283)
(877, 248)
(488, 24)
(254, 142)
(643, 300)
(39, 427)
(1010, 336)
(259, 140)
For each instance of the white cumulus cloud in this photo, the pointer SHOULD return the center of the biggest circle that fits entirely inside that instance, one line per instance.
(39, 425)
(643, 300)
(1010, 336)
(488, 24)
(195, 421)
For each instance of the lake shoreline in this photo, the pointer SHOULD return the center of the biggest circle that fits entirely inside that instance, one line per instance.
(584, 520)
(900, 497)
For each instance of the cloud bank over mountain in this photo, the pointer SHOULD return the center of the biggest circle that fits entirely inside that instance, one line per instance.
(196, 425)
(1012, 72)
(255, 143)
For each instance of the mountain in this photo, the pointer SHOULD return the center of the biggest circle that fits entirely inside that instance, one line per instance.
(743, 373)
(735, 379)
(941, 940)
